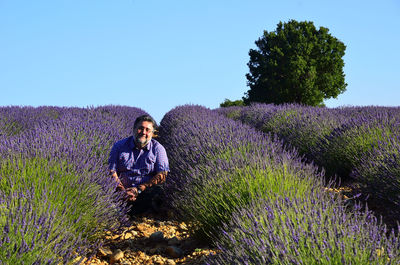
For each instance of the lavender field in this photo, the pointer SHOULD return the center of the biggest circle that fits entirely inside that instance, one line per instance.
(56, 198)
(253, 179)
(260, 201)
(360, 146)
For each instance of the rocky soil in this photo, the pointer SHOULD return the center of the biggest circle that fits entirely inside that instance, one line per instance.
(152, 239)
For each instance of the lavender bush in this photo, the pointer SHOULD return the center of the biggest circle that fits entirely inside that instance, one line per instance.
(316, 132)
(301, 126)
(56, 196)
(316, 229)
(362, 140)
(267, 218)
(32, 238)
(14, 120)
(298, 126)
(233, 112)
(332, 138)
(341, 151)
(218, 165)
(378, 175)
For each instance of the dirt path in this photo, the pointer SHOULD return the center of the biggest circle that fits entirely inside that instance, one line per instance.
(152, 239)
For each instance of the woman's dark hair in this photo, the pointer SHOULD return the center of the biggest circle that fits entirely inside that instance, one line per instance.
(145, 118)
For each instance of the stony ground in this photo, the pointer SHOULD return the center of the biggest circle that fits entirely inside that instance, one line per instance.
(161, 239)
(152, 239)
(157, 239)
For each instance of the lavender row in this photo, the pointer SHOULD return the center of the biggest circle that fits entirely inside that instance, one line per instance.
(350, 142)
(317, 132)
(309, 230)
(378, 176)
(299, 126)
(342, 150)
(219, 165)
(236, 184)
(55, 195)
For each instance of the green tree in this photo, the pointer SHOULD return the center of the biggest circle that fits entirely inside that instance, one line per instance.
(296, 64)
(230, 103)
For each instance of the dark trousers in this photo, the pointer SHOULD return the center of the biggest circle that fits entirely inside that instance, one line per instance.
(149, 199)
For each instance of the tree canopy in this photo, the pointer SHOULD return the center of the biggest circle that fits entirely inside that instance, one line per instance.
(296, 63)
(231, 103)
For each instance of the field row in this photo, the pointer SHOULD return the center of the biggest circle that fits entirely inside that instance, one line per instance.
(259, 202)
(56, 198)
(358, 145)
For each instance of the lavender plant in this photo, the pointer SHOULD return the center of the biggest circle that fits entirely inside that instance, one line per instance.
(340, 140)
(228, 163)
(341, 151)
(378, 176)
(298, 126)
(309, 129)
(56, 168)
(301, 127)
(315, 229)
(234, 112)
(32, 238)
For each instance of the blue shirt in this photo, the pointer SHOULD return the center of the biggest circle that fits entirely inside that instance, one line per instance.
(135, 166)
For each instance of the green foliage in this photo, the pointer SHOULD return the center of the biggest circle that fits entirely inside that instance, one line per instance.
(316, 229)
(10, 127)
(343, 150)
(229, 103)
(300, 128)
(233, 188)
(296, 64)
(378, 175)
(68, 196)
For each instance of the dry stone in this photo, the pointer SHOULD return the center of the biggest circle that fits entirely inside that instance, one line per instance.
(172, 244)
(129, 235)
(116, 256)
(104, 252)
(170, 262)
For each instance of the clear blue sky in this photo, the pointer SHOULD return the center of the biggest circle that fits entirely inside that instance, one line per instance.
(158, 54)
